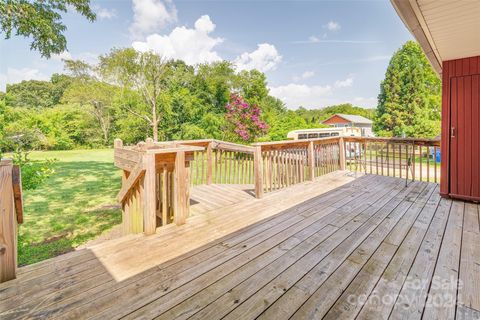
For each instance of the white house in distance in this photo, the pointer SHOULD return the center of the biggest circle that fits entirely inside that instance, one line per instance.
(340, 120)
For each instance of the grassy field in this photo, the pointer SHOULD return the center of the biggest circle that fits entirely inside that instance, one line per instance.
(76, 204)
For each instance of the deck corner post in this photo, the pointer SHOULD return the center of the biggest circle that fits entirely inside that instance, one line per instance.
(8, 227)
(180, 193)
(311, 161)
(341, 148)
(209, 163)
(149, 143)
(258, 171)
(149, 211)
(117, 143)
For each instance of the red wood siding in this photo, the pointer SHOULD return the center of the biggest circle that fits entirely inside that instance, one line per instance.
(335, 119)
(460, 167)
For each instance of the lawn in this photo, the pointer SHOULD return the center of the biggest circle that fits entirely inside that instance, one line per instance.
(76, 204)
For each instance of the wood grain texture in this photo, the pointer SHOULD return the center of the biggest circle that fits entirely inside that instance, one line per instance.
(300, 252)
(8, 223)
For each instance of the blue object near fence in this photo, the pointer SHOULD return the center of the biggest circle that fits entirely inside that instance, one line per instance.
(436, 156)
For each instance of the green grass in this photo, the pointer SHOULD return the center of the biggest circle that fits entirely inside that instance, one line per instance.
(74, 205)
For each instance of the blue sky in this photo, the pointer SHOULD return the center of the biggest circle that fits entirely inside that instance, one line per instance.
(314, 53)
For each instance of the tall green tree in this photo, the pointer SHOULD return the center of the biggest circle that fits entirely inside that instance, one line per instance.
(97, 98)
(41, 21)
(142, 72)
(409, 99)
(37, 94)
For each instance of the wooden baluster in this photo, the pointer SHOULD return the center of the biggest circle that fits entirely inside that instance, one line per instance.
(435, 163)
(181, 189)
(421, 163)
(428, 163)
(341, 153)
(220, 166)
(413, 161)
(8, 226)
(227, 167)
(270, 183)
(388, 160)
(164, 194)
(400, 159)
(406, 156)
(311, 163)
(149, 213)
(258, 168)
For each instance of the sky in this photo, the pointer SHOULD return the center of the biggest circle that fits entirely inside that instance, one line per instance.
(314, 53)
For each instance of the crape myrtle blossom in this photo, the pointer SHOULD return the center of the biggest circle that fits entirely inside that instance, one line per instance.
(244, 118)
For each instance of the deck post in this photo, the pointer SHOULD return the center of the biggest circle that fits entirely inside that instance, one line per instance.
(341, 148)
(311, 161)
(118, 143)
(8, 227)
(258, 171)
(150, 201)
(209, 163)
(181, 184)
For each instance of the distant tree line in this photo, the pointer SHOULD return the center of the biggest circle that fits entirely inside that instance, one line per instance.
(134, 95)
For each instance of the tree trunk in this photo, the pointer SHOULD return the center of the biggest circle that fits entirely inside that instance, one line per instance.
(155, 131)
(154, 123)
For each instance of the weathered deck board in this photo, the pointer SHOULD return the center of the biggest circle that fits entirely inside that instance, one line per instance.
(302, 253)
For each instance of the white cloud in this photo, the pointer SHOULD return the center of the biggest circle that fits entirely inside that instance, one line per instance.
(333, 26)
(344, 83)
(17, 75)
(296, 95)
(191, 45)
(151, 16)
(313, 39)
(303, 76)
(104, 13)
(264, 58)
(368, 102)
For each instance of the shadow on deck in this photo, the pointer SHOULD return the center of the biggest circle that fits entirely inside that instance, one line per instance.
(338, 248)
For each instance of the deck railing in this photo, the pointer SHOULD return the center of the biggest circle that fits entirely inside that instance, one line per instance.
(221, 163)
(410, 159)
(285, 163)
(158, 176)
(11, 214)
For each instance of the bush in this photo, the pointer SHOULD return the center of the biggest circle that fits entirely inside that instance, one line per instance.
(34, 173)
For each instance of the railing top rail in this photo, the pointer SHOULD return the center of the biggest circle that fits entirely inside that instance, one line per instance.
(230, 146)
(414, 141)
(175, 149)
(284, 144)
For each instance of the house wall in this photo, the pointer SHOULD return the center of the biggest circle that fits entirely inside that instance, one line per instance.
(451, 69)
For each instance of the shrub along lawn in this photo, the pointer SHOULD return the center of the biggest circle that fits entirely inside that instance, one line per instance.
(74, 205)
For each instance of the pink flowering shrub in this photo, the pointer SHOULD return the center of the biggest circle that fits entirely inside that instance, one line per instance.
(244, 119)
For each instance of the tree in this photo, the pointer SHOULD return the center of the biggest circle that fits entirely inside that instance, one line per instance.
(284, 123)
(37, 94)
(409, 99)
(142, 72)
(98, 98)
(244, 118)
(316, 116)
(41, 21)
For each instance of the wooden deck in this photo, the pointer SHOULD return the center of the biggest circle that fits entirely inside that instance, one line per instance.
(205, 198)
(337, 248)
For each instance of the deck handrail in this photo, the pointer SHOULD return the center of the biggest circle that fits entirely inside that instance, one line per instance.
(408, 158)
(268, 166)
(11, 214)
